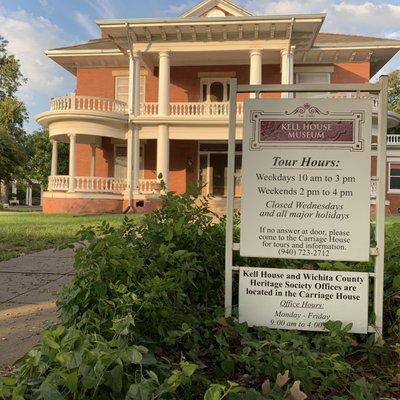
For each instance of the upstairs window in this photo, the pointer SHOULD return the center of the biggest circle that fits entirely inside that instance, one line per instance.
(394, 177)
(214, 89)
(122, 88)
(312, 78)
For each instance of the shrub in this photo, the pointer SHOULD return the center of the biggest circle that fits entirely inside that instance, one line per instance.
(143, 319)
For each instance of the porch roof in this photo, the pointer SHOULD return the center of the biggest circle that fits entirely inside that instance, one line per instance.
(327, 48)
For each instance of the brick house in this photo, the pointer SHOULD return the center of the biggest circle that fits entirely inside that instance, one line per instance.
(152, 97)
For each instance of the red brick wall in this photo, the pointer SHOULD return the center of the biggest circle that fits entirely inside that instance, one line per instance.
(180, 152)
(150, 159)
(97, 81)
(351, 73)
(185, 82)
(104, 159)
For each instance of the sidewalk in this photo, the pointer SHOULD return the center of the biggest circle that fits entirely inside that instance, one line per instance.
(27, 288)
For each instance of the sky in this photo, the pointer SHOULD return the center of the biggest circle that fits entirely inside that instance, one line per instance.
(32, 26)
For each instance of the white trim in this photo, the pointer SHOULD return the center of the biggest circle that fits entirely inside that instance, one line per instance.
(209, 81)
(390, 190)
(314, 68)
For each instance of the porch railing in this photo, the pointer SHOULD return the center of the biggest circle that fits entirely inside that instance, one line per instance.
(95, 184)
(393, 140)
(88, 103)
(149, 186)
(98, 184)
(192, 109)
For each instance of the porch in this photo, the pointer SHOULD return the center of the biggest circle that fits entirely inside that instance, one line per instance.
(92, 184)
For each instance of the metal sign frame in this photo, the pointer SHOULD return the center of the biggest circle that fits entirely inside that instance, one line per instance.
(380, 88)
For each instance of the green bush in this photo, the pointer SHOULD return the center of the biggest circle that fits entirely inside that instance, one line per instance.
(143, 319)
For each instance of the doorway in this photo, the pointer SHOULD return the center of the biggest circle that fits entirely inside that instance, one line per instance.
(213, 169)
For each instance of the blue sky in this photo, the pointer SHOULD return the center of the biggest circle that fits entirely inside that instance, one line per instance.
(32, 26)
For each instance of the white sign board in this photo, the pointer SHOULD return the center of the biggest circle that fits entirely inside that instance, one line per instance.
(302, 299)
(306, 179)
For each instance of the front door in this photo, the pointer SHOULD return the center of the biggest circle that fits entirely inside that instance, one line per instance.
(218, 173)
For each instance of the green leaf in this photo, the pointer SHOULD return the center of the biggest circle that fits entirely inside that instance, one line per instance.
(138, 392)
(214, 392)
(50, 392)
(188, 369)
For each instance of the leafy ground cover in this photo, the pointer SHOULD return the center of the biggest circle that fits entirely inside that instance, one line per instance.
(143, 320)
(26, 232)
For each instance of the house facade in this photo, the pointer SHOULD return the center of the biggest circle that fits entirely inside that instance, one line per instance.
(152, 96)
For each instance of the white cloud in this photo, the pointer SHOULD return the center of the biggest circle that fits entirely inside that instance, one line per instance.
(87, 24)
(103, 8)
(351, 16)
(29, 36)
(357, 17)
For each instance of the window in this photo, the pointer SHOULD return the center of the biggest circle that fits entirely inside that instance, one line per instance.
(394, 176)
(122, 88)
(214, 89)
(312, 78)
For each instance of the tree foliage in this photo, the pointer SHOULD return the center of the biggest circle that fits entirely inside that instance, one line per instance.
(12, 116)
(38, 149)
(394, 96)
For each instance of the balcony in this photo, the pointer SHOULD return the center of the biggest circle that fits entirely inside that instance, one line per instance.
(90, 184)
(95, 116)
(192, 110)
(393, 140)
(85, 116)
(88, 103)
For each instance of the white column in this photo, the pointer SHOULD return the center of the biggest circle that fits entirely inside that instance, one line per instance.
(92, 168)
(163, 110)
(287, 56)
(30, 196)
(133, 142)
(54, 158)
(72, 151)
(129, 160)
(135, 134)
(255, 69)
(14, 187)
(27, 196)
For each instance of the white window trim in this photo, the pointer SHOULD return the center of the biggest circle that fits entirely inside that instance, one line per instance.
(208, 82)
(312, 71)
(142, 162)
(392, 161)
(142, 85)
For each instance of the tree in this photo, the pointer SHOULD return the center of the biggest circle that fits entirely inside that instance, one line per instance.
(39, 148)
(12, 116)
(394, 96)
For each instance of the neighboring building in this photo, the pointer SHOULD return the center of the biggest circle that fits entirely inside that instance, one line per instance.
(171, 115)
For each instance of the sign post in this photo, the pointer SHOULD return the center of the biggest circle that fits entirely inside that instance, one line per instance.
(306, 195)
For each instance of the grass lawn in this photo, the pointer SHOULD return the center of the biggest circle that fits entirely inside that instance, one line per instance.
(391, 219)
(27, 232)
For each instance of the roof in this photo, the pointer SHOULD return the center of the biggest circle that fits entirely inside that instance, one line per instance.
(202, 8)
(322, 38)
(339, 39)
(94, 44)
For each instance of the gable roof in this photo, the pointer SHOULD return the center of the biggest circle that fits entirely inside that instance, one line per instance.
(205, 6)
